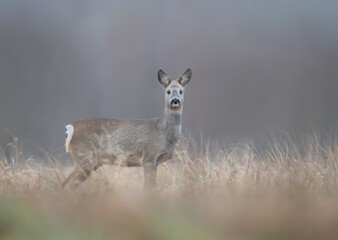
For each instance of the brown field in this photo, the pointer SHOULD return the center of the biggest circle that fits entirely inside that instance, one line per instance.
(287, 191)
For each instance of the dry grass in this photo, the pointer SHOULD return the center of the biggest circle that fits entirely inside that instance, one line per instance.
(286, 191)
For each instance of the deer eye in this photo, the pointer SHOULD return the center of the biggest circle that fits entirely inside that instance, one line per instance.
(181, 91)
(168, 92)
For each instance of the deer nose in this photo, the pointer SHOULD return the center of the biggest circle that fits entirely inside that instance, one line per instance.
(175, 101)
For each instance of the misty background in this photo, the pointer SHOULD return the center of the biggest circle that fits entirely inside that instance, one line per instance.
(256, 66)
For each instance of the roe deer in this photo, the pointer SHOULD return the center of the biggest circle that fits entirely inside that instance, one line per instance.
(147, 143)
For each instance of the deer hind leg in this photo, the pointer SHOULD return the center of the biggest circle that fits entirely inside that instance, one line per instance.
(82, 170)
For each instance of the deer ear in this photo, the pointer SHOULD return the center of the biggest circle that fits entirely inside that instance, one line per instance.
(163, 78)
(185, 77)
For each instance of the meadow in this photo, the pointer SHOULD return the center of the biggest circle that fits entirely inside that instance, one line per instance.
(286, 189)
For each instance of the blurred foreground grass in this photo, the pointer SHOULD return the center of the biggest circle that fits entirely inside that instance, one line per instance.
(286, 191)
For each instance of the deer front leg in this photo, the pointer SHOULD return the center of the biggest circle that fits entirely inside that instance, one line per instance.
(150, 170)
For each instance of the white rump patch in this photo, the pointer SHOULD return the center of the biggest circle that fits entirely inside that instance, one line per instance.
(69, 132)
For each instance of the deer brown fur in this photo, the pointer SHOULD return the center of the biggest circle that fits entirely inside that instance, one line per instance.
(128, 143)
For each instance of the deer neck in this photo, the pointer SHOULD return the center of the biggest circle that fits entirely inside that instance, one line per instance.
(171, 122)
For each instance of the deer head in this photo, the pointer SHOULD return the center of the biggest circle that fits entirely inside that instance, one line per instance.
(174, 89)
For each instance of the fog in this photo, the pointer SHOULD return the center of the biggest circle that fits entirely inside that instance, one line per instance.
(257, 66)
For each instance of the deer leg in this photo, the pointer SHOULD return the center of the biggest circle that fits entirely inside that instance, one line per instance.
(150, 170)
(79, 174)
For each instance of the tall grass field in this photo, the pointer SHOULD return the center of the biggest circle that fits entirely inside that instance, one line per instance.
(286, 189)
